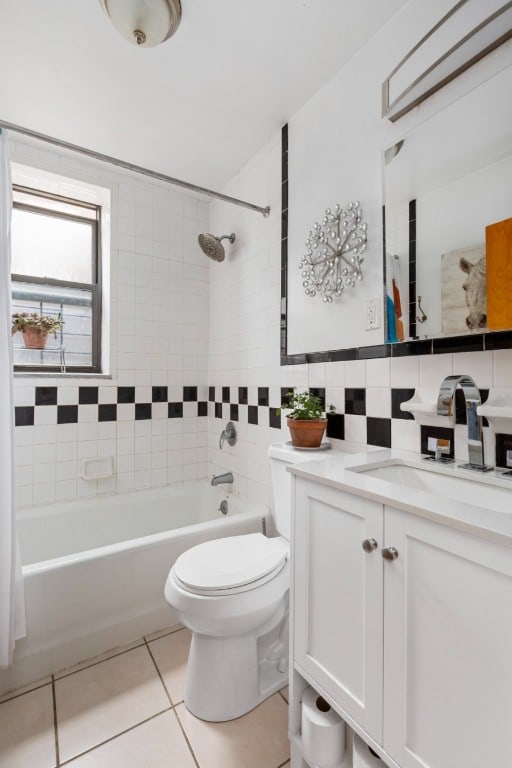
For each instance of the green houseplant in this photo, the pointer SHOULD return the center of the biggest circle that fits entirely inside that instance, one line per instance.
(35, 328)
(306, 420)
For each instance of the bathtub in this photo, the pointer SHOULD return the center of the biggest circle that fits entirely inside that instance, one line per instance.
(94, 570)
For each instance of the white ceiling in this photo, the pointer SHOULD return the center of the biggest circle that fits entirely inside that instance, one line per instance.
(196, 107)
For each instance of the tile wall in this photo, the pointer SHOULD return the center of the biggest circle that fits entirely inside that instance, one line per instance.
(196, 344)
(149, 413)
(246, 334)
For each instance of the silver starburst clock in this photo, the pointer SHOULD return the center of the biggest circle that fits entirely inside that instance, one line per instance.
(334, 252)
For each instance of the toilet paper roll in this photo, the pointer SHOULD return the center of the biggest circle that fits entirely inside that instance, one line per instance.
(323, 732)
(363, 757)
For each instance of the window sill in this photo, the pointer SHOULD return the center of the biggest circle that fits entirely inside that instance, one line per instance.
(57, 375)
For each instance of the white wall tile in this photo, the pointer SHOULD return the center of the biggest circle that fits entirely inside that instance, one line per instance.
(378, 402)
(502, 373)
(355, 429)
(87, 431)
(433, 369)
(405, 434)
(405, 372)
(67, 395)
(45, 415)
(24, 455)
(148, 265)
(378, 372)
(87, 414)
(24, 436)
(479, 366)
(355, 373)
(45, 454)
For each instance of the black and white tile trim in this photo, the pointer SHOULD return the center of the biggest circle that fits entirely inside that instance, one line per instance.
(125, 397)
(258, 406)
(251, 405)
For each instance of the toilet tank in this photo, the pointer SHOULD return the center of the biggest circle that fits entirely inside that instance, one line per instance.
(281, 456)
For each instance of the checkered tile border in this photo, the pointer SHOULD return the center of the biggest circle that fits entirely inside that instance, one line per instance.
(250, 405)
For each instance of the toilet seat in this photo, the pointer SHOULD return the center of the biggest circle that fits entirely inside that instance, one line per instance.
(231, 565)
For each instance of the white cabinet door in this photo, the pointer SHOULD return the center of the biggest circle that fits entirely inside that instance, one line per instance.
(338, 598)
(448, 647)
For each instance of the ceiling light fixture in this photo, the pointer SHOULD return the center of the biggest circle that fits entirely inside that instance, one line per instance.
(144, 22)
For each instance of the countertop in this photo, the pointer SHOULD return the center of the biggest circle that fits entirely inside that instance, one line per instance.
(491, 518)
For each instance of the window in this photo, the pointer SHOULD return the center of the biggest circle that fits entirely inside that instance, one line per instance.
(56, 272)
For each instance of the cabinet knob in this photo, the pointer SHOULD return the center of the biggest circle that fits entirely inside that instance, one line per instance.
(390, 553)
(369, 545)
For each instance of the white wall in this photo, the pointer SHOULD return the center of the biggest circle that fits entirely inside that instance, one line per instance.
(158, 337)
(244, 319)
(335, 146)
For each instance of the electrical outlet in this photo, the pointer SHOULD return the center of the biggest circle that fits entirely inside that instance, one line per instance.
(372, 314)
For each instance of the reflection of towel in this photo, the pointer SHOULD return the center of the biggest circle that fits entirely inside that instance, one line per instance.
(391, 339)
(396, 298)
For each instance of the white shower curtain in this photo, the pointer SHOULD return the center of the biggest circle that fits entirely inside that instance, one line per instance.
(12, 614)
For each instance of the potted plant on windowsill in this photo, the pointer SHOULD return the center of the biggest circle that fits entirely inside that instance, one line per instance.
(35, 328)
(306, 420)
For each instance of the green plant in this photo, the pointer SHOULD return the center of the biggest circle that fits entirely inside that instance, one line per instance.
(305, 406)
(45, 323)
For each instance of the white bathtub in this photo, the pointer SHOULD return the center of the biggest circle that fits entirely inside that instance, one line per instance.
(94, 570)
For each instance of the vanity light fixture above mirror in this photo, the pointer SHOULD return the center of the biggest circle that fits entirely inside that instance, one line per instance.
(467, 33)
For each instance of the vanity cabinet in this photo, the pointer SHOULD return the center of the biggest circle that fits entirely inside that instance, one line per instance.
(416, 649)
(338, 636)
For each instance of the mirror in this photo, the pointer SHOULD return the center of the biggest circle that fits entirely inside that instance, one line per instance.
(444, 183)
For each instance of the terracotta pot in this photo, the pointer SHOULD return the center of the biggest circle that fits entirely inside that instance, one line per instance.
(35, 338)
(307, 433)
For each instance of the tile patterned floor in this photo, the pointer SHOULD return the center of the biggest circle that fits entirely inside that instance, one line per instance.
(126, 710)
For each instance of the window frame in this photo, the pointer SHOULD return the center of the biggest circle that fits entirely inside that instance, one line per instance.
(94, 287)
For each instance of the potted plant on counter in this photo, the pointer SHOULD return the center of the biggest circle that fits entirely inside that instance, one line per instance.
(35, 328)
(306, 420)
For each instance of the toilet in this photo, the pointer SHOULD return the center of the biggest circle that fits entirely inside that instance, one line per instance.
(233, 594)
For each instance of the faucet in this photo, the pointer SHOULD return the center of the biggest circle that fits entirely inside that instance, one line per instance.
(229, 434)
(227, 477)
(446, 405)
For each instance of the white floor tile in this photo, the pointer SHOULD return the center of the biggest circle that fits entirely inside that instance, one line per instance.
(27, 735)
(96, 659)
(171, 654)
(256, 740)
(101, 701)
(154, 744)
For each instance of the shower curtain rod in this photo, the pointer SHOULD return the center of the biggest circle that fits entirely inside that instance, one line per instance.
(131, 167)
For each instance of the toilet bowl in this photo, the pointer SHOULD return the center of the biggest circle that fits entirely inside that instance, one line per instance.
(233, 594)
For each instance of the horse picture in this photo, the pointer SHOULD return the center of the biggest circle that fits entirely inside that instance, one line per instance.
(475, 288)
(463, 290)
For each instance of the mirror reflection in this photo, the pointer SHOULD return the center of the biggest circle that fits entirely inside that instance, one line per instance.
(448, 209)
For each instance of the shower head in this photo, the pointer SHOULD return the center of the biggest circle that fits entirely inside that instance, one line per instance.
(212, 246)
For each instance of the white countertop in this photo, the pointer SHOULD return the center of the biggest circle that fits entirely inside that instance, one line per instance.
(490, 518)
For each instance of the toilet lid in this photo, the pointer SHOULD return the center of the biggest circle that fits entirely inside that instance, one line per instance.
(230, 563)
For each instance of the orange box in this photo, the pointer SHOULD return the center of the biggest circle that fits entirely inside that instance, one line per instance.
(498, 246)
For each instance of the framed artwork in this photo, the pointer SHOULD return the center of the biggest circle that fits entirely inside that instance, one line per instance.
(463, 290)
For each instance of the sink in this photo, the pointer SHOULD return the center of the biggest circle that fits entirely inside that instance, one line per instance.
(445, 481)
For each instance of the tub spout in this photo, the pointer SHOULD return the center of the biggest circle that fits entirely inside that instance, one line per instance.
(227, 477)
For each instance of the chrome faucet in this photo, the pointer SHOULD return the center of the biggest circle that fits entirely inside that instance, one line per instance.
(227, 477)
(446, 407)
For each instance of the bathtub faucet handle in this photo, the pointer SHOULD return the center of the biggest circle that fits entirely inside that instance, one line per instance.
(229, 434)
